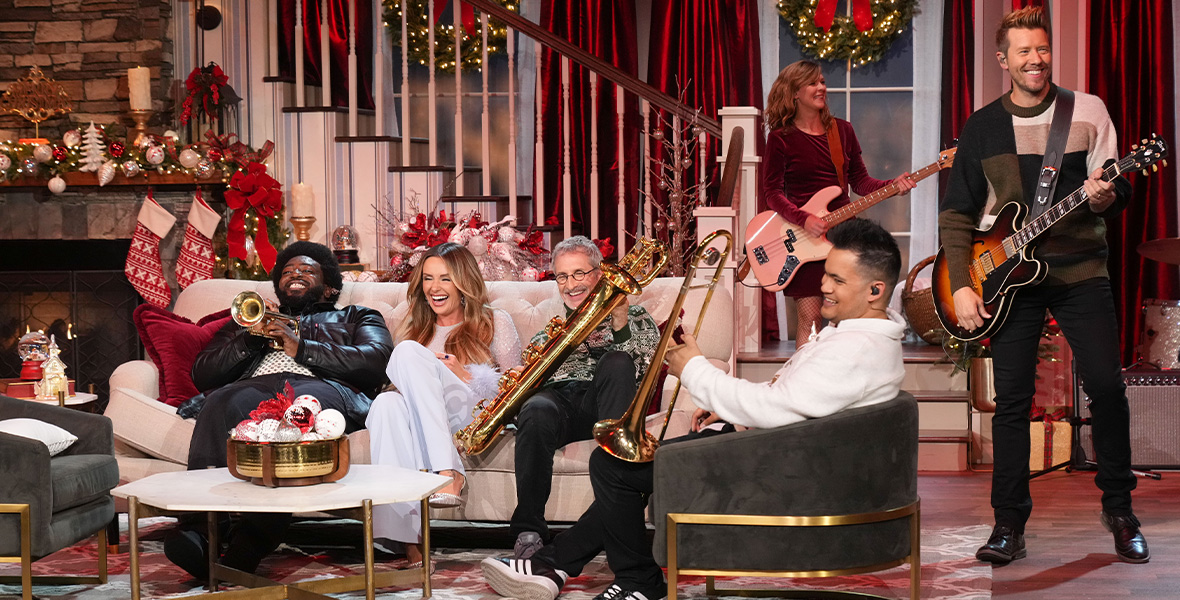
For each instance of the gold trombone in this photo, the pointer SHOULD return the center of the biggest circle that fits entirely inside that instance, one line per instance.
(627, 437)
(248, 310)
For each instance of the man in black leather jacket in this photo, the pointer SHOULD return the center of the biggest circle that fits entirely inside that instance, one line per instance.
(339, 356)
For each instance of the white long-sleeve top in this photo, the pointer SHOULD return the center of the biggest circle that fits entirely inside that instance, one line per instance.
(855, 363)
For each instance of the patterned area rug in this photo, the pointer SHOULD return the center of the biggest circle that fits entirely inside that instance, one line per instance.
(319, 550)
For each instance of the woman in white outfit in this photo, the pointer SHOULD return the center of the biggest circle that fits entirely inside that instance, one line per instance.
(449, 352)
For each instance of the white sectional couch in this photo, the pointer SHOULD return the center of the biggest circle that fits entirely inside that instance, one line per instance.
(151, 438)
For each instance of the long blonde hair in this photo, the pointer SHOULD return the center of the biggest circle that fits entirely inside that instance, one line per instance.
(780, 103)
(471, 341)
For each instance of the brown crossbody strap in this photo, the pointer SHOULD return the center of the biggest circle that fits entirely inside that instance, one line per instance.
(837, 150)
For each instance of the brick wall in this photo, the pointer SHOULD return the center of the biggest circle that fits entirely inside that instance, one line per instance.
(87, 46)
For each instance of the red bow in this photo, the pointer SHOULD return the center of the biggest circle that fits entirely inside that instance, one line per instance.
(862, 14)
(467, 12)
(234, 151)
(258, 191)
(532, 241)
(1037, 413)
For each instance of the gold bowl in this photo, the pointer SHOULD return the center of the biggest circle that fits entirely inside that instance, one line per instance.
(280, 464)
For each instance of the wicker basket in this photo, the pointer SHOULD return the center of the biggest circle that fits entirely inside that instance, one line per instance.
(919, 308)
(283, 464)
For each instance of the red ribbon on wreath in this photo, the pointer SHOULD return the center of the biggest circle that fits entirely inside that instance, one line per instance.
(862, 14)
(255, 190)
(467, 13)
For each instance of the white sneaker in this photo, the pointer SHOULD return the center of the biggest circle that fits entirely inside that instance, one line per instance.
(524, 579)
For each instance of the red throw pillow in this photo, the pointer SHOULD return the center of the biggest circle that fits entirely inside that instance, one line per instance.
(173, 343)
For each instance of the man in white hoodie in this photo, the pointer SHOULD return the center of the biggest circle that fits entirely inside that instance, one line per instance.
(855, 361)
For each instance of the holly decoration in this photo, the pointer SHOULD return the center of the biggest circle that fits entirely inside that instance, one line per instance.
(827, 36)
(418, 28)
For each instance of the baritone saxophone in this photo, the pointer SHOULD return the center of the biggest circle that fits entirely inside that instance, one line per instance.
(628, 277)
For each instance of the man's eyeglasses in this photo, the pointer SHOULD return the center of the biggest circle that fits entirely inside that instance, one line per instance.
(576, 275)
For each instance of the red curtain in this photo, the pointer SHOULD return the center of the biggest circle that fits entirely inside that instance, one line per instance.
(1132, 51)
(605, 28)
(337, 43)
(958, 69)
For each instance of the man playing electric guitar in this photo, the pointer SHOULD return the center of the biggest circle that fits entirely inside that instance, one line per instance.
(999, 160)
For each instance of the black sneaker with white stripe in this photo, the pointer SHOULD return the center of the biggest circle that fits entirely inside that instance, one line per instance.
(525, 579)
(614, 592)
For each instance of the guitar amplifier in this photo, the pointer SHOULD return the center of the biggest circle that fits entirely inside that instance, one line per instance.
(1154, 398)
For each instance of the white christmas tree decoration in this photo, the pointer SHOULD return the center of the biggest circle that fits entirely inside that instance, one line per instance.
(92, 149)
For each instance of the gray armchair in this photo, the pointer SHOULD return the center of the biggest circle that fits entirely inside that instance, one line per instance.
(47, 504)
(824, 497)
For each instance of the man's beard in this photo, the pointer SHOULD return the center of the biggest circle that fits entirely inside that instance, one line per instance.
(300, 303)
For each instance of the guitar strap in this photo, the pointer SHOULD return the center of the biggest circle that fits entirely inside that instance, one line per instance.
(1054, 151)
(837, 150)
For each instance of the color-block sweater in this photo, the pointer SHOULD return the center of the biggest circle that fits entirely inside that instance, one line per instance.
(999, 161)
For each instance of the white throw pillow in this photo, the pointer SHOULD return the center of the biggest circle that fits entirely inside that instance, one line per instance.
(54, 437)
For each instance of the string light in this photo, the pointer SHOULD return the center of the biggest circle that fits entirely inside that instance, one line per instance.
(844, 42)
(417, 30)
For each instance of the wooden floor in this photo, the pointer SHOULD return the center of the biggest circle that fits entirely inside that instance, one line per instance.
(1070, 555)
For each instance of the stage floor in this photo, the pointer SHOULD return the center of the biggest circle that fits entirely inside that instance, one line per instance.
(1070, 554)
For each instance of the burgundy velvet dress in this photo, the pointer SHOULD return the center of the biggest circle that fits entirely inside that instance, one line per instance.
(796, 165)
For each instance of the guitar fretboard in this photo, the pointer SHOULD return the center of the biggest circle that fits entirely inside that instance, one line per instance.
(852, 209)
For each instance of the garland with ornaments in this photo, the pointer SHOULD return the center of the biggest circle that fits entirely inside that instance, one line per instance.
(418, 32)
(863, 38)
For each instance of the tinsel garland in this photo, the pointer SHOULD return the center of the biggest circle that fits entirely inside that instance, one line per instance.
(418, 29)
(844, 41)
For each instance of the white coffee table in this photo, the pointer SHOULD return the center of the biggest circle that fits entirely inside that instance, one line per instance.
(215, 490)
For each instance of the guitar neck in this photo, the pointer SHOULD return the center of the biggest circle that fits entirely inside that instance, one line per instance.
(855, 208)
(1041, 224)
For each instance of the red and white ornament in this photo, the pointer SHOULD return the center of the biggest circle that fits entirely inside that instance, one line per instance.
(154, 154)
(246, 431)
(60, 153)
(309, 401)
(72, 138)
(57, 185)
(529, 274)
(330, 424)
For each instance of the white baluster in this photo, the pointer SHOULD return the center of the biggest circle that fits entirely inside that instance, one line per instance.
(567, 203)
(621, 204)
(431, 92)
(459, 178)
(645, 214)
(593, 155)
(404, 125)
(485, 121)
(272, 23)
(353, 96)
(703, 172)
(299, 58)
(512, 199)
(378, 70)
(325, 57)
(539, 148)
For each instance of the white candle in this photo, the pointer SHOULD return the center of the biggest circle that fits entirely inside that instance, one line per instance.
(302, 200)
(139, 83)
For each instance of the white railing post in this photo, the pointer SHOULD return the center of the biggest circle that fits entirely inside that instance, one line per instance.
(431, 91)
(567, 202)
(459, 178)
(300, 99)
(747, 300)
(403, 128)
(352, 101)
(486, 118)
(538, 148)
(512, 197)
(379, 69)
(593, 155)
(325, 56)
(272, 24)
(621, 203)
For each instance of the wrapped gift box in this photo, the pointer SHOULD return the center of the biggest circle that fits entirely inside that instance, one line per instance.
(1050, 444)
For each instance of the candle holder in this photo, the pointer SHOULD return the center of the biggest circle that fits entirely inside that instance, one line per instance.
(141, 117)
(302, 226)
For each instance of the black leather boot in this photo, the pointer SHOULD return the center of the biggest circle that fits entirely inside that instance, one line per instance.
(1004, 546)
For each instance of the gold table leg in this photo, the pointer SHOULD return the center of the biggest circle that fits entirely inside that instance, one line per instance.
(367, 517)
(426, 593)
(133, 542)
(214, 549)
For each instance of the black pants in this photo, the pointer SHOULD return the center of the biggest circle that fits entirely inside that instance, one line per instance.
(615, 523)
(558, 415)
(1085, 311)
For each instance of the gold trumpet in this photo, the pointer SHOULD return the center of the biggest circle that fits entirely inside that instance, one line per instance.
(627, 437)
(248, 310)
(637, 269)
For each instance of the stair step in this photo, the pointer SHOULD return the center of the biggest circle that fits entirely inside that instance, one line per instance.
(327, 109)
(944, 436)
(431, 169)
(281, 79)
(396, 139)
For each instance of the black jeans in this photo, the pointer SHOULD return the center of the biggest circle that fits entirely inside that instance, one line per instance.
(1086, 313)
(557, 415)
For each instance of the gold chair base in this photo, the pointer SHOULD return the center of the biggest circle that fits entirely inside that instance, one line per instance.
(26, 578)
(912, 512)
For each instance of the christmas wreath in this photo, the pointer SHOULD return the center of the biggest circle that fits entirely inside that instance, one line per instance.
(418, 27)
(862, 38)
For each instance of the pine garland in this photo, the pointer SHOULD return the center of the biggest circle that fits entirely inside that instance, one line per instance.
(417, 34)
(844, 41)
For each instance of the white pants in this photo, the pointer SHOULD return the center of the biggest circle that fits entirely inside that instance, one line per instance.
(412, 428)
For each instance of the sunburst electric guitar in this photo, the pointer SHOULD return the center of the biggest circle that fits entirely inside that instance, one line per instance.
(1002, 259)
(775, 248)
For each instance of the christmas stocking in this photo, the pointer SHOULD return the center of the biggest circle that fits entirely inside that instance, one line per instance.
(143, 260)
(196, 254)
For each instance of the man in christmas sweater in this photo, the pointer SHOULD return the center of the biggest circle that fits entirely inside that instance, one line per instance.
(999, 159)
(597, 381)
(855, 361)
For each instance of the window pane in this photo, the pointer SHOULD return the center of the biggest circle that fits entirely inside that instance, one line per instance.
(883, 122)
(789, 51)
(896, 69)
